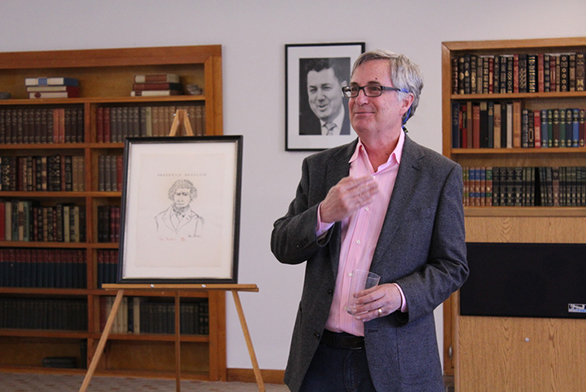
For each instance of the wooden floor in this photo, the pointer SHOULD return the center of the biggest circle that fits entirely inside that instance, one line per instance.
(33, 382)
(28, 382)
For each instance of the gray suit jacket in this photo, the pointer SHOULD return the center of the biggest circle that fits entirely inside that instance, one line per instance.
(309, 124)
(421, 247)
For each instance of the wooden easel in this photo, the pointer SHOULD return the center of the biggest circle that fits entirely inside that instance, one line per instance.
(180, 118)
(177, 288)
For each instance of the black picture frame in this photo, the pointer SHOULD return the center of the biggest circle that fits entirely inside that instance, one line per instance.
(303, 127)
(180, 212)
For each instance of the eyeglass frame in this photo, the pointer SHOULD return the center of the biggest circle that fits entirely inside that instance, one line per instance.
(383, 88)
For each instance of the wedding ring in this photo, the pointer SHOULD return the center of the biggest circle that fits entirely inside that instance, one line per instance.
(380, 311)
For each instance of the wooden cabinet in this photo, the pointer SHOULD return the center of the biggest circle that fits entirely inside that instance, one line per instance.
(499, 353)
(61, 315)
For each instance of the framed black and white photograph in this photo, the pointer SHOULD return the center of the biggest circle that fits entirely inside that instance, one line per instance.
(316, 110)
(180, 212)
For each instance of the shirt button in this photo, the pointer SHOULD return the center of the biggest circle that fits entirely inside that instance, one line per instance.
(366, 209)
(358, 242)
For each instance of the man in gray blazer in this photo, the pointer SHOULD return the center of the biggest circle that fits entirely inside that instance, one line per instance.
(385, 204)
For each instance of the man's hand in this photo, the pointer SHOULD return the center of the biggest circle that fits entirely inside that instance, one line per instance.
(379, 301)
(347, 196)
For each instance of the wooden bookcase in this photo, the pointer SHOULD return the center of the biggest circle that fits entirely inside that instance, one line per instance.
(105, 77)
(500, 353)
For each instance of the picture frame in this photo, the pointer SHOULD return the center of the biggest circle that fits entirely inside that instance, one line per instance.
(310, 108)
(180, 212)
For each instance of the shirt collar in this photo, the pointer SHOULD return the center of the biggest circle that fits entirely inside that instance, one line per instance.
(394, 157)
(339, 120)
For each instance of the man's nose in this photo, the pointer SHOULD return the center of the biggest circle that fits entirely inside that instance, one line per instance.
(361, 98)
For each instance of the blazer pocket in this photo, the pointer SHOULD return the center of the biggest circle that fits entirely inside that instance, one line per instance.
(418, 353)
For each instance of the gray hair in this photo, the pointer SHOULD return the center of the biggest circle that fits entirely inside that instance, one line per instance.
(405, 75)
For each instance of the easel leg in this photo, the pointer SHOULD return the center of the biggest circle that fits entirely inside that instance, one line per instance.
(102, 343)
(177, 342)
(181, 118)
(257, 375)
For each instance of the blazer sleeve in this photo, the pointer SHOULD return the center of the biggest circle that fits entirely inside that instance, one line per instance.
(293, 239)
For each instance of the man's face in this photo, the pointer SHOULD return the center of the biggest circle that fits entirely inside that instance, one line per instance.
(325, 94)
(181, 197)
(371, 115)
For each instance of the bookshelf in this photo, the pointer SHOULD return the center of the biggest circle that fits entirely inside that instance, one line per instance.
(83, 256)
(514, 353)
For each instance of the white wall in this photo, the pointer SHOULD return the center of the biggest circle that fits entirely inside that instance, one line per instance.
(253, 34)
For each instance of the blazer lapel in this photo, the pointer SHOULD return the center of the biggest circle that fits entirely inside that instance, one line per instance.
(337, 168)
(409, 170)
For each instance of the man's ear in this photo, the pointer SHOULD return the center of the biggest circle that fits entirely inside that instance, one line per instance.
(343, 83)
(408, 101)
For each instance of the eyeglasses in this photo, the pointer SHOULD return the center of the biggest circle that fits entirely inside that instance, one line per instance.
(373, 90)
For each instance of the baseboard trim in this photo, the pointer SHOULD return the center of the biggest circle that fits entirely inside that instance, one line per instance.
(247, 375)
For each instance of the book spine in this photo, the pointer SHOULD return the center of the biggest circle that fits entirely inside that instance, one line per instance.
(454, 62)
(157, 78)
(540, 73)
(490, 125)
(157, 86)
(107, 126)
(532, 73)
(564, 72)
(134, 121)
(572, 72)
(476, 126)
(467, 84)
(2, 126)
(536, 124)
(580, 71)
(517, 124)
(581, 127)
(120, 172)
(456, 125)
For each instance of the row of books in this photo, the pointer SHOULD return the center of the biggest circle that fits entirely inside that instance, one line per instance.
(52, 87)
(114, 124)
(42, 173)
(151, 85)
(43, 313)
(42, 125)
(493, 124)
(107, 266)
(518, 73)
(108, 223)
(28, 221)
(156, 85)
(563, 186)
(142, 315)
(42, 268)
(110, 173)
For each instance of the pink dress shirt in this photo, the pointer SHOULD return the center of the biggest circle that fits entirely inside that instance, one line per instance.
(360, 234)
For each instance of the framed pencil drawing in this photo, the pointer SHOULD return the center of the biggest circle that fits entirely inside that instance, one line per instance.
(180, 212)
(316, 115)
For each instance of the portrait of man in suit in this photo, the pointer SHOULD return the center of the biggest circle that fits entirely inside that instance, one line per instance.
(179, 221)
(323, 109)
